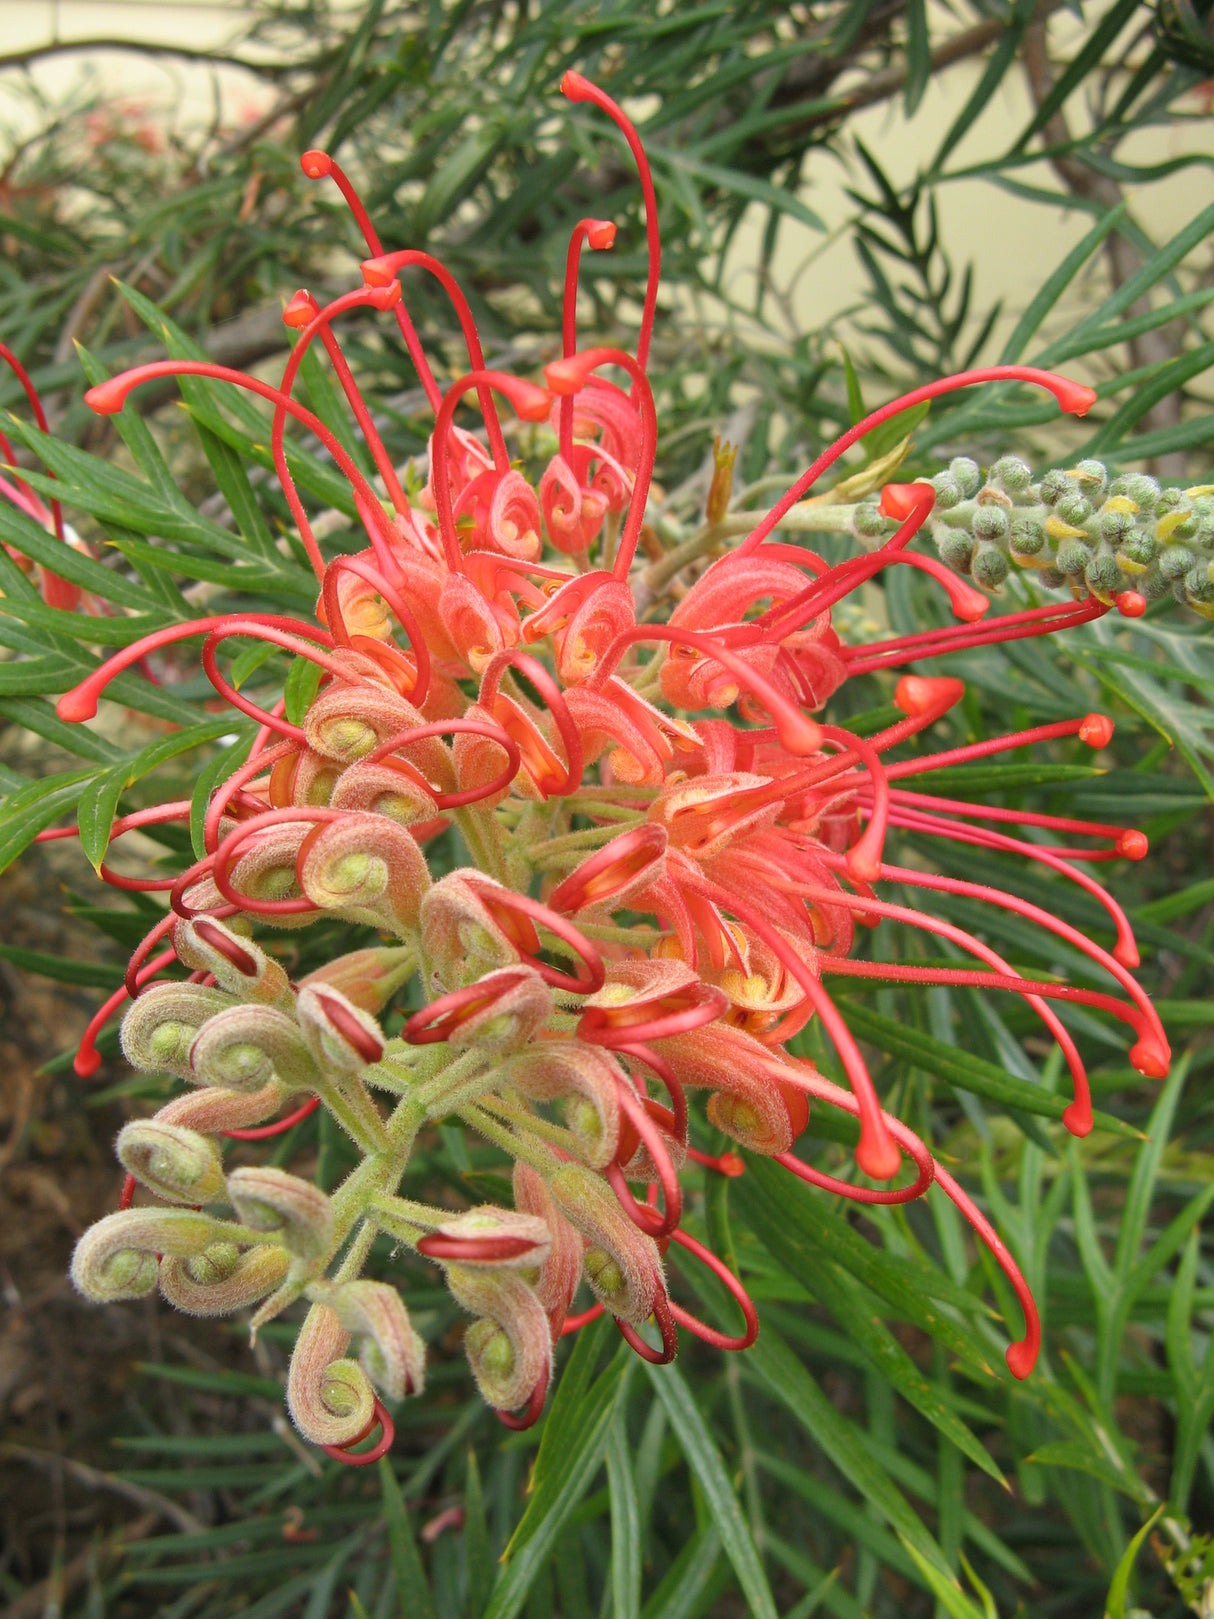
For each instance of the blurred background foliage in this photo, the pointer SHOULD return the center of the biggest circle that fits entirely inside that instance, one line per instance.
(869, 1456)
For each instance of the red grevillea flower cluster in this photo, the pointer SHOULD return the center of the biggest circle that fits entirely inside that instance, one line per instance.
(669, 852)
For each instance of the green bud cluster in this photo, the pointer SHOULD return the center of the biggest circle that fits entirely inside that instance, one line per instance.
(1082, 527)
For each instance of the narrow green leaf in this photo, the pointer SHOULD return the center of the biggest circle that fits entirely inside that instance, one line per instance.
(1115, 1604)
(412, 1586)
(788, 1381)
(963, 1069)
(477, 1547)
(562, 1419)
(625, 1523)
(706, 1465)
(1056, 284)
(678, 1596)
(949, 1594)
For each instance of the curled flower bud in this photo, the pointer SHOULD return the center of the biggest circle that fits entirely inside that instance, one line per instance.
(246, 1047)
(586, 1080)
(367, 978)
(222, 1278)
(747, 1101)
(341, 1036)
(510, 1347)
(299, 1213)
(265, 866)
(240, 966)
(367, 868)
(459, 936)
(379, 789)
(498, 1013)
(159, 1028)
(330, 1399)
(621, 1262)
(178, 1165)
(558, 1276)
(212, 1108)
(489, 1236)
(118, 1258)
(390, 1352)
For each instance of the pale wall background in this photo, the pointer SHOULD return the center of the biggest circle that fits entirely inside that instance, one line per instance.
(1013, 243)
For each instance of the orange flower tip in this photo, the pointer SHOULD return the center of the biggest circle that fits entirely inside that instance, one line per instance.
(300, 309)
(1131, 604)
(1021, 1358)
(1074, 398)
(601, 234)
(566, 376)
(1078, 1118)
(316, 164)
(798, 733)
(1126, 954)
(918, 694)
(863, 864)
(386, 297)
(1096, 731)
(531, 402)
(970, 605)
(107, 398)
(1133, 845)
(899, 500)
(75, 706)
(377, 272)
(1152, 1057)
(730, 1164)
(86, 1062)
(576, 88)
(879, 1160)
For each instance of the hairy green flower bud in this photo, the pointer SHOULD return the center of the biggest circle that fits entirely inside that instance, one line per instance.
(1139, 488)
(159, 1027)
(989, 567)
(1014, 474)
(1073, 508)
(1093, 476)
(330, 1399)
(118, 1258)
(222, 1279)
(179, 1165)
(297, 1212)
(956, 548)
(868, 521)
(1027, 536)
(1102, 574)
(1072, 558)
(1137, 551)
(390, 1351)
(1053, 486)
(991, 523)
(1175, 561)
(967, 474)
(948, 491)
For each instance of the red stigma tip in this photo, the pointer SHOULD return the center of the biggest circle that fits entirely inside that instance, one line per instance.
(1131, 604)
(916, 694)
(574, 86)
(1151, 1057)
(731, 1165)
(75, 706)
(1074, 398)
(1133, 845)
(899, 500)
(376, 272)
(1021, 1359)
(1078, 1118)
(1096, 731)
(316, 164)
(601, 234)
(300, 309)
(107, 398)
(86, 1062)
(879, 1163)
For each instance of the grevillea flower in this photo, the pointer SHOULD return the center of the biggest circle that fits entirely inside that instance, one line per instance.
(600, 768)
